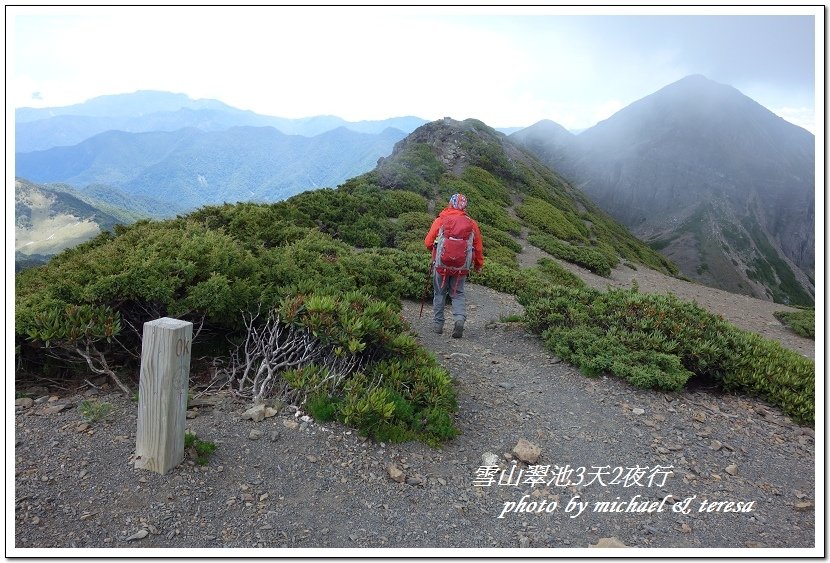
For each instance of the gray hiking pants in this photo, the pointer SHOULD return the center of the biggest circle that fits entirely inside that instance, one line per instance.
(454, 285)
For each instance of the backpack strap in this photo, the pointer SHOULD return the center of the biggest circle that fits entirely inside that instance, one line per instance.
(454, 288)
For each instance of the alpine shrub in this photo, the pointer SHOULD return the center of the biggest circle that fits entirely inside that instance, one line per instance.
(584, 256)
(659, 341)
(802, 322)
(396, 381)
(549, 219)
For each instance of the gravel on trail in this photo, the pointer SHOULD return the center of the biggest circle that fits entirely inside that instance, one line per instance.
(600, 463)
(546, 458)
(748, 313)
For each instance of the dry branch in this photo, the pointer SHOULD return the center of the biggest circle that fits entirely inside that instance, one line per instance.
(272, 347)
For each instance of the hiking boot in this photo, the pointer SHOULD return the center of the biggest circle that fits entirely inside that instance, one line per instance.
(438, 328)
(458, 329)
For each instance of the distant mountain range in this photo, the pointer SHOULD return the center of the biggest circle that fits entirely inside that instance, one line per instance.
(160, 146)
(189, 167)
(148, 110)
(716, 182)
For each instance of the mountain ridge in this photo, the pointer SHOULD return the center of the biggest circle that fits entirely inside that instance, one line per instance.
(49, 219)
(614, 151)
(699, 155)
(190, 167)
(152, 110)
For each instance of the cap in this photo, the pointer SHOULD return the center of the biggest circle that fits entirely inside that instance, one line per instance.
(458, 201)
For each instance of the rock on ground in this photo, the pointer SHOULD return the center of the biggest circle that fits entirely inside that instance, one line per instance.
(79, 490)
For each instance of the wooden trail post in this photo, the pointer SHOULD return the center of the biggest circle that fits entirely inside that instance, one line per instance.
(162, 394)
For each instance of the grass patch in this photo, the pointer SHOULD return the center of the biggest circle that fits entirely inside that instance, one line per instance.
(94, 411)
(200, 449)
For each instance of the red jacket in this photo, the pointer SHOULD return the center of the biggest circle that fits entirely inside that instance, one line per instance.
(478, 247)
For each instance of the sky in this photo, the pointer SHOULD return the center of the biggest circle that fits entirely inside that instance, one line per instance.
(508, 67)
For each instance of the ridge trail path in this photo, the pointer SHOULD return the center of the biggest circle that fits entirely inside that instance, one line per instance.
(629, 455)
(513, 388)
(748, 313)
(284, 483)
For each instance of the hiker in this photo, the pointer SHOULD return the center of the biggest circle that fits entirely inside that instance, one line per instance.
(455, 241)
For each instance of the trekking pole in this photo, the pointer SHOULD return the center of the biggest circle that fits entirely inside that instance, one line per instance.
(426, 286)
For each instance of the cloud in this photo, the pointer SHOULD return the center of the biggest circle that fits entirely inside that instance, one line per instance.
(371, 63)
(802, 116)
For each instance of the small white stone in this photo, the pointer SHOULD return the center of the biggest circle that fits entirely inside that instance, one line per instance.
(139, 535)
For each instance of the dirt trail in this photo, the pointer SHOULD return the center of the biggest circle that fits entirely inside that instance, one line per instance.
(748, 313)
(287, 483)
